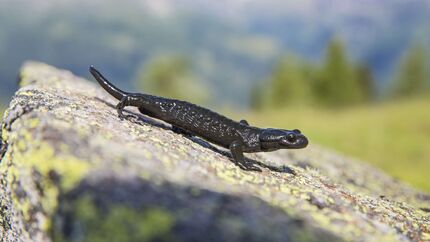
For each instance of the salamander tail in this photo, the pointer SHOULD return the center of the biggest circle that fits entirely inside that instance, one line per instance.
(109, 87)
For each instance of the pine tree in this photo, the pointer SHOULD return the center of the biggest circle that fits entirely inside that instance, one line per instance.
(289, 84)
(413, 76)
(337, 85)
(365, 79)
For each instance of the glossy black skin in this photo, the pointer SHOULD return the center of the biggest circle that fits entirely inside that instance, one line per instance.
(188, 118)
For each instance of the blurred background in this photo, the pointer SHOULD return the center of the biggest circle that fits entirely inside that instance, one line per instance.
(352, 75)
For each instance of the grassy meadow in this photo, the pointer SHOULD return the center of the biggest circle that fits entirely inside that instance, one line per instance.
(394, 136)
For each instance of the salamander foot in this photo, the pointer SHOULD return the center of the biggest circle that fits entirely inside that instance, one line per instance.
(248, 166)
(239, 159)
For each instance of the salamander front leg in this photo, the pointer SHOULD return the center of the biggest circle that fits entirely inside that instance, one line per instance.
(239, 159)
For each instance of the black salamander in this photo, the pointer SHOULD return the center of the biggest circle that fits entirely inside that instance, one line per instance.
(188, 118)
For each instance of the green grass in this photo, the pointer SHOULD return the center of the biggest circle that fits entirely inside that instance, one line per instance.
(393, 136)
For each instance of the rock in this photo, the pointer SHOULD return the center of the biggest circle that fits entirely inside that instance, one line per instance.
(71, 170)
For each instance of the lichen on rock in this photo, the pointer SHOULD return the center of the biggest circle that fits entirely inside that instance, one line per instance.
(72, 171)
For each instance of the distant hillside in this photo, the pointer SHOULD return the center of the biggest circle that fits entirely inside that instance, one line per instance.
(232, 44)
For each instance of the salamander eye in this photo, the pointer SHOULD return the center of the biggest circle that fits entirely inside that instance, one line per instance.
(291, 137)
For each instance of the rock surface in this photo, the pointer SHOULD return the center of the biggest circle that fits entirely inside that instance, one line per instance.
(72, 171)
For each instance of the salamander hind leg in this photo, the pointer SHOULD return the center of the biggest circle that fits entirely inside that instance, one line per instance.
(239, 159)
(120, 107)
(182, 131)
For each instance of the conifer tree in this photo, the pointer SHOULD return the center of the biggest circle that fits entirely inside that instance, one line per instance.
(289, 84)
(365, 79)
(337, 85)
(413, 76)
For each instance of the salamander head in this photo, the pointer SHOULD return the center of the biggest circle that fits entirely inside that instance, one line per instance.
(274, 139)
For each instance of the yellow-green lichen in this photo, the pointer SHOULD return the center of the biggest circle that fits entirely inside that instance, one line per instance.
(4, 133)
(43, 158)
(32, 123)
(25, 93)
(27, 155)
(24, 77)
(426, 236)
(119, 223)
